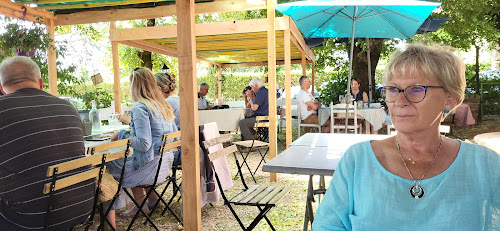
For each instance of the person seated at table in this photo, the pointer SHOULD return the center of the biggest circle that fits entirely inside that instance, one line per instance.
(151, 117)
(167, 84)
(259, 106)
(38, 130)
(356, 94)
(309, 106)
(416, 179)
(202, 92)
(249, 96)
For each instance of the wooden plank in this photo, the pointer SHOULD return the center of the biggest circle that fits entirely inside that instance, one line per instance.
(223, 152)
(280, 196)
(78, 4)
(219, 85)
(304, 69)
(312, 79)
(155, 12)
(107, 146)
(150, 46)
(251, 195)
(204, 29)
(116, 156)
(264, 193)
(116, 71)
(189, 121)
(76, 163)
(288, 86)
(271, 195)
(244, 193)
(221, 139)
(173, 135)
(15, 10)
(71, 180)
(173, 145)
(51, 58)
(252, 64)
(271, 47)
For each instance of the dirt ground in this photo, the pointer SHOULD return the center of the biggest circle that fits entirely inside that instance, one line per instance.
(289, 215)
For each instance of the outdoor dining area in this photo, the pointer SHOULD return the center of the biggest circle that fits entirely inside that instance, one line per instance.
(367, 158)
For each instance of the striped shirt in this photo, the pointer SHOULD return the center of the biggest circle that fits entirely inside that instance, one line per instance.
(38, 130)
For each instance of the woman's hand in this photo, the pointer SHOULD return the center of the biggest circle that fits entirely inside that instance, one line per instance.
(124, 119)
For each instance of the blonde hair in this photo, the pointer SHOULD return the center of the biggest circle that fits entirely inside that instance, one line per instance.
(166, 82)
(438, 62)
(143, 89)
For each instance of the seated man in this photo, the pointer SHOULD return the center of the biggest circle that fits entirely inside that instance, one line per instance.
(38, 130)
(259, 106)
(202, 92)
(309, 106)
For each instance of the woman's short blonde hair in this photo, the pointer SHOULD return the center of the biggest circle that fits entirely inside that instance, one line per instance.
(143, 89)
(435, 61)
(166, 82)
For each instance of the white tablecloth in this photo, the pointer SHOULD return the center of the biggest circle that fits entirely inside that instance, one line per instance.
(226, 119)
(490, 140)
(374, 116)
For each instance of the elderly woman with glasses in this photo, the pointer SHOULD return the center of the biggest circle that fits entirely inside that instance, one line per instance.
(418, 179)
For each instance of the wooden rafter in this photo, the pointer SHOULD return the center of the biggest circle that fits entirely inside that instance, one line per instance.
(78, 4)
(157, 12)
(16, 10)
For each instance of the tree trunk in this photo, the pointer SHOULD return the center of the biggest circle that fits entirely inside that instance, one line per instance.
(360, 63)
(478, 90)
(145, 56)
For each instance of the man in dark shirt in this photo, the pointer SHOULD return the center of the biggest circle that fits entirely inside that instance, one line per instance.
(259, 106)
(37, 130)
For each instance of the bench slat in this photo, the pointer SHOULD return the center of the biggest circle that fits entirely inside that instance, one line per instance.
(251, 195)
(76, 163)
(221, 139)
(271, 195)
(107, 146)
(264, 193)
(244, 193)
(223, 152)
(280, 196)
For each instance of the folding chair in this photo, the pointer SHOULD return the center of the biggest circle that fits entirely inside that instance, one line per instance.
(258, 143)
(338, 116)
(262, 197)
(300, 124)
(60, 180)
(152, 187)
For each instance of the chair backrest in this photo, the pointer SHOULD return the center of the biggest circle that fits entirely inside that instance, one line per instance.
(443, 129)
(337, 115)
(107, 146)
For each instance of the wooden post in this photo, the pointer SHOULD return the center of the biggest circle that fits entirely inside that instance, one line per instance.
(312, 79)
(271, 58)
(116, 72)
(304, 70)
(288, 83)
(189, 120)
(51, 56)
(219, 88)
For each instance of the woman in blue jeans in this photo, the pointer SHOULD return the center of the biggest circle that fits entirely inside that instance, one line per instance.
(151, 117)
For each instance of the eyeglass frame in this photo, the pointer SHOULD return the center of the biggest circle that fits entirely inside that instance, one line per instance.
(384, 88)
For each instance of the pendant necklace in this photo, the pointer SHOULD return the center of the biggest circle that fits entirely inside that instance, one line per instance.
(416, 191)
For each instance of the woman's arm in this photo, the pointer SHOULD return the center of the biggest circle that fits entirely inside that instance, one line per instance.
(142, 139)
(365, 97)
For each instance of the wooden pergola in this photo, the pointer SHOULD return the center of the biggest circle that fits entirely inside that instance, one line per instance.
(226, 45)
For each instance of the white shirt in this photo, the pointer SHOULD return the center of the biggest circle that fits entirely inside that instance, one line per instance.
(202, 103)
(302, 98)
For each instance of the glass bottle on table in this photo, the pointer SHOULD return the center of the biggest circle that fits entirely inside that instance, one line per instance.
(94, 118)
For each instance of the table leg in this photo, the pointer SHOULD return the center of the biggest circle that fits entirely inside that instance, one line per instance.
(367, 126)
(321, 186)
(309, 215)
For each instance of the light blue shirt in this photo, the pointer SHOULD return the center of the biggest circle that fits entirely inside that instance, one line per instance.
(147, 129)
(176, 106)
(364, 196)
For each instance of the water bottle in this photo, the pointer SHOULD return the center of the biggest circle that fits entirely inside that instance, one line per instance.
(94, 118)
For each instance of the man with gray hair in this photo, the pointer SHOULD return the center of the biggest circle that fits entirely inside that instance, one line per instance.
(38, 130)
(259, 106)
(202, 92)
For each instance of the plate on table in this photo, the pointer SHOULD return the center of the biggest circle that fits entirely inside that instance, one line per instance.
(99, 137)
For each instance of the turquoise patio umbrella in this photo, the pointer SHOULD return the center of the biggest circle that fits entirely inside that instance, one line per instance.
(358, 19)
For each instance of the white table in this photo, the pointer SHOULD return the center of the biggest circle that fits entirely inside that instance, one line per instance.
(226, 119)
(374, 116)
(315, 154)
(490, 140)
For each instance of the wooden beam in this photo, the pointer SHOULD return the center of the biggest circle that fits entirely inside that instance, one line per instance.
(156, 12)
(151, 46)
(205, 29)
(271, 49)
(16, 10)
(255, 64)
(51, 58)
(189, 120)
(312, 79)
(78, 4)
(219, 85)
(288, 86)
(116, 72)
(304, 69)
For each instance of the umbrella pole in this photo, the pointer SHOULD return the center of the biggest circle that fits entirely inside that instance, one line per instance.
(348, 94)
(369, 70)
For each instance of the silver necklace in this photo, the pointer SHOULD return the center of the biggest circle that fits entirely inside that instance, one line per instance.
(416, 191)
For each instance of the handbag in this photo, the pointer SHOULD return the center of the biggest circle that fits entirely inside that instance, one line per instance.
(109, 187)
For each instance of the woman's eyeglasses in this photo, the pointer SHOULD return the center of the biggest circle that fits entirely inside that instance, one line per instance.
(413, 94)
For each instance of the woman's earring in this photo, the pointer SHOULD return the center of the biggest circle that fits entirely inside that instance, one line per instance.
(446, 111)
